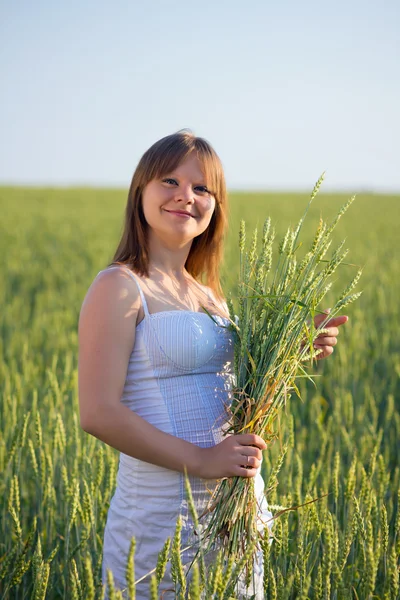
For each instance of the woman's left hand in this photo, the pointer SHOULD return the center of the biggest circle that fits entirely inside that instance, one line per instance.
(327, 341)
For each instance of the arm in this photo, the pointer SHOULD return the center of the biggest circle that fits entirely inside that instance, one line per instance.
(106, 337)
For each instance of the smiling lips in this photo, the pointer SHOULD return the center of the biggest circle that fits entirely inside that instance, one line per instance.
(180, 213)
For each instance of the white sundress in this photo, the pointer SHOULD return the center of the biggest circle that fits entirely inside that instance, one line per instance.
(179, 379)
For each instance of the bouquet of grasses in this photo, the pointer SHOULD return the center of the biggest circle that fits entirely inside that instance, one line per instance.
(274, 336)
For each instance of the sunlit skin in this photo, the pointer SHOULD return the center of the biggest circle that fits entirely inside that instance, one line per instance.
(177, 207)
(327, 341)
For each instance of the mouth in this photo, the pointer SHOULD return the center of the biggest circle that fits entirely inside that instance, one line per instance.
(180, 213)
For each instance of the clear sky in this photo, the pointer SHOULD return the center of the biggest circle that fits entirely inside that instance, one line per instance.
(282, 89)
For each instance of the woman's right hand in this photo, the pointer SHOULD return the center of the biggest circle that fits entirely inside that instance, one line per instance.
(236, 455)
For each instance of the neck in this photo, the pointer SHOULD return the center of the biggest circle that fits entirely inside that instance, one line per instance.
(167, 259)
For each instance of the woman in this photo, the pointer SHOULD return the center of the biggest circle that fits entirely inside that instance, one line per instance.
(155, 371)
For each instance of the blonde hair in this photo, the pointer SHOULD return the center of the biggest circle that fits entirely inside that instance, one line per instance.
(161, 158)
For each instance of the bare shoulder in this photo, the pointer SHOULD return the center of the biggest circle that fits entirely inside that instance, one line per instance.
(113, 295)
(113, 283)
(107, 329)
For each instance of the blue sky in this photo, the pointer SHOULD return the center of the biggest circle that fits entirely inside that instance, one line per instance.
(283, 90)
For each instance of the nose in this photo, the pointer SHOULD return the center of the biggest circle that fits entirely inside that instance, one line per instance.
(185, 194)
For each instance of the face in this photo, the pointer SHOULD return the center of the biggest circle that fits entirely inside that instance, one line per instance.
(179, 206)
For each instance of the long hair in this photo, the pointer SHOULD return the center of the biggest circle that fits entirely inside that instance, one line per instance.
(161, 158)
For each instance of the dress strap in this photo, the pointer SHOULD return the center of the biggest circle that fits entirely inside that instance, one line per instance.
(136, 280)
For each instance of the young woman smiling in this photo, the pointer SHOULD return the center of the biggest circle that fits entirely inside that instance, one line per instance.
(155, 371)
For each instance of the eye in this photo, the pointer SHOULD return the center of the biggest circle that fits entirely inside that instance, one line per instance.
(169, 180)
(203, 189)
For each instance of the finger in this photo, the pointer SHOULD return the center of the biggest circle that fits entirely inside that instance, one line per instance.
(326, 351)
(329, 332)
(337, 321)
(321, 317)
(249, 462)
(325, 341)
(243, 472)
(251, 451)
(251, 439)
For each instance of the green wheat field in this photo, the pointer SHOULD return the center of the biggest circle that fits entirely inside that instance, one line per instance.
(340, 444)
